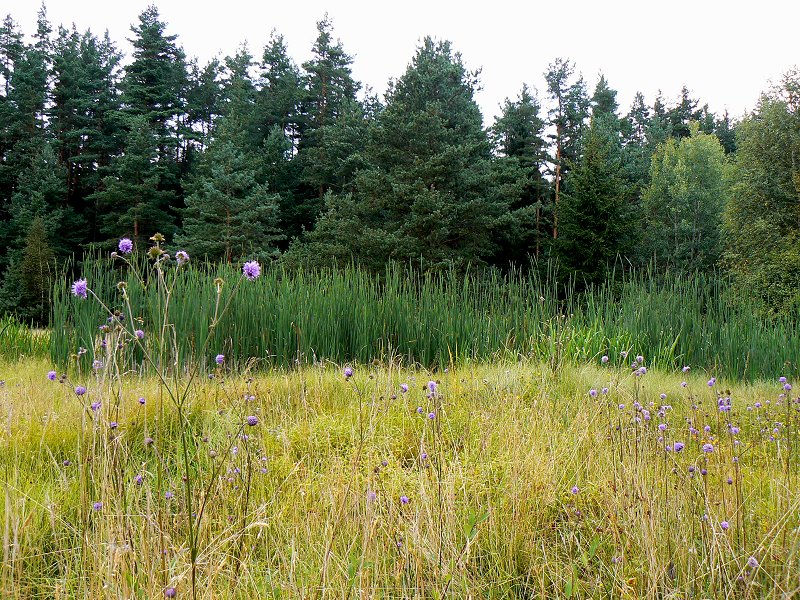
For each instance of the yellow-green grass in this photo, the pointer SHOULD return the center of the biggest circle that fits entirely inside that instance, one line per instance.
(491, 512)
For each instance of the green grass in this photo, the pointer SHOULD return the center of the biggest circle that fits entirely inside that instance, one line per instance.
(19, 341)
(286, 318)
(490, 511)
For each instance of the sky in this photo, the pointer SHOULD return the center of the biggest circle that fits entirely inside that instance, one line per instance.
(725, 52)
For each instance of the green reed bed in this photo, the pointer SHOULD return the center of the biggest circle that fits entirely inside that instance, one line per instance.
(288, 318)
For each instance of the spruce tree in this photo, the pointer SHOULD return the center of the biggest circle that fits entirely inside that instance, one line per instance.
(230, 212)
(595, 223)
(518, 139)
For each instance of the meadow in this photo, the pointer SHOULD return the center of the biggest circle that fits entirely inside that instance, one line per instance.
(515, 445)
(508, 480)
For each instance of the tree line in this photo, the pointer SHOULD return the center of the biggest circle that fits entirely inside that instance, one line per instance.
(259, 157)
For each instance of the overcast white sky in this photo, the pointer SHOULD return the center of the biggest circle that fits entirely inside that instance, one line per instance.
(726, 52)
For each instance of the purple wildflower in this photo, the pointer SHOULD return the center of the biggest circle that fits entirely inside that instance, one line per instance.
(95, 406)
(678, 446)
(138, 480)
(252, 420)
(251, 270)
(169, 495)
(604, 359)
(113, 425)
(182, 257)
(431, 415)
(219, 359)
(724, 525)
(404, 500)
(708, 448)
(419, 410)
(575, 489)
(139, 334)
(432, 387)
(51, 375)
(593, 393)
(97, 506)
(141, 400)
(686, 368)
(752, 562)
(80, 289)
(712, 381)
(125, 246)
(97, 364)
(404, 387)
(80, 390)
(170, 592)
(787, 386)
(604, 390)
(782, 379)
(348, 372)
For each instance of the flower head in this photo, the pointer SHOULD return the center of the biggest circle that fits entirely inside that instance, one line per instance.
(724, 525)
(251, 270)
(404, 500)
(139, 334)
(219, 359)
(80, 390)
(404, 387)
(575, 489)
(348, 372)
(712, 381)
(97, 506)
(170, 592)
(678, 446)
(252, 420)
(708, 448)
(604, 359)
(125, 246)
(593, 393)
(80, 289)
(752, 562)
(182, 257)
(686, 368)
(51, 375)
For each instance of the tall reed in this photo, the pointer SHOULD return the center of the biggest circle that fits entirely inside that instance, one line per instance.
(299, 317)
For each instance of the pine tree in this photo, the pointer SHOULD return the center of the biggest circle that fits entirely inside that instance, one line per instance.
(517, 136)
(229, 214)
(567, 117)
(595, 222)
(154, 82)
(134, 201)
(425, 197)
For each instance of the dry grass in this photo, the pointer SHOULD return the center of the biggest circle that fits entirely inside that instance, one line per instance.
(289, 511)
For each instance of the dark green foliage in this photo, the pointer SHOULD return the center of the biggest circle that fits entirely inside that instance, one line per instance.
(424, 196)
(155, 79)
(595, 223)
(135, 201)
(229, 212)
(517, 177)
